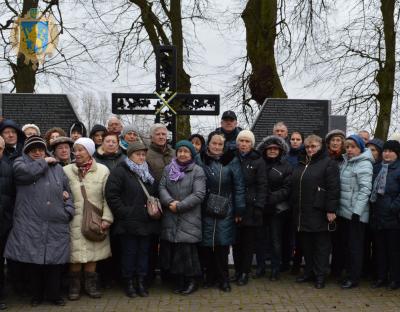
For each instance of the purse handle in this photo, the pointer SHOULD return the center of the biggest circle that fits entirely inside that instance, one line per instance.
(83, 189)
(220, 178)
(143, 187)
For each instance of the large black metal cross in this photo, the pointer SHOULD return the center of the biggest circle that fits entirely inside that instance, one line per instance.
(165, 103)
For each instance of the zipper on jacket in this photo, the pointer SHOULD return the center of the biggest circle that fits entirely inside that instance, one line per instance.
(215, 226)
(301, 180)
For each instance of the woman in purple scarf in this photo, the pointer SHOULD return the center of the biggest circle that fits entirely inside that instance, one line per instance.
(182, 189)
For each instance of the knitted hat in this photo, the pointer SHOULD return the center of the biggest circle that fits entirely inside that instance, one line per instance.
(378, 143)
(88, 144)
(27, 126)
(134, 147)
(127, 129)
(246, 134)
(392, 145)
(32, 142)
(188, 144)
(358, 140)
(61, 140)
(335, 132)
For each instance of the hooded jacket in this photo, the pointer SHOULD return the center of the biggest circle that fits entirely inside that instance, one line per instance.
(78, 126)
(356, 185)
(12, 152)
(278, 175)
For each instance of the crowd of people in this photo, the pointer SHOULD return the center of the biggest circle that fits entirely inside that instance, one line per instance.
(114, 207)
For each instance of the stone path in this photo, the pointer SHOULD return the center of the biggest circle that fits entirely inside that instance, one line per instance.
(258, 295)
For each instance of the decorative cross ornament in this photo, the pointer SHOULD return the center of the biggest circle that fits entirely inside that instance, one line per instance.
(163, 103)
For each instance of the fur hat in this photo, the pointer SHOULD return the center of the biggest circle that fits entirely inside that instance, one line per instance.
(88, 144)
(335, 132)
(273, 140)
(246, 134)
(32, 142)
(61, 140)
(27, 126)
(392, 145)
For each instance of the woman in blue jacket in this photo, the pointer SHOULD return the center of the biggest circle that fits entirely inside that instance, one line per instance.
(224, 177)
(385, 222)
(355, 189)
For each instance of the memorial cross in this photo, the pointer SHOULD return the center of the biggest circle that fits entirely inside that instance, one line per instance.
(166, 103)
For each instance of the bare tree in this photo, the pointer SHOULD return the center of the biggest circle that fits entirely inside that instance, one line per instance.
(153, 23)
(21, 75)
(360, 62)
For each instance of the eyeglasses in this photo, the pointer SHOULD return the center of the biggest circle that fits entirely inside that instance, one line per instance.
(312, 146)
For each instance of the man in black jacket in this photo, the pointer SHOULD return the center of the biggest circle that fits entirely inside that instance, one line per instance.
(229, 129)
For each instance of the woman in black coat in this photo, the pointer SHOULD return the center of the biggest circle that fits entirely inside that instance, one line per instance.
(253, 170)
(132, 224)
(277, 207)
(315, 199)
(384, 218)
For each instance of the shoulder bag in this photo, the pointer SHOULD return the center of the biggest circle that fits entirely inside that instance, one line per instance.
(153, 203)
(91, 219)
(217, 205)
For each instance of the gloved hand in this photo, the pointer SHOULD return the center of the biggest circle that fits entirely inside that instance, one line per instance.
(355, 217)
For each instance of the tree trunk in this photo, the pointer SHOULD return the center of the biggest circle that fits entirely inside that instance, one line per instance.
(183, 79)
(25, 74)
(260, 21)
(385, 77)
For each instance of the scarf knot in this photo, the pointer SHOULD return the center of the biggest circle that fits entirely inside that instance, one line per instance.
(176, 171)
(141, 170)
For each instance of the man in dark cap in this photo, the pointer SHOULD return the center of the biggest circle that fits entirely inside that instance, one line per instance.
(229, 129)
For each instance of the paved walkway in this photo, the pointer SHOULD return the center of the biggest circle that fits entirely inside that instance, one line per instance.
(259, 295)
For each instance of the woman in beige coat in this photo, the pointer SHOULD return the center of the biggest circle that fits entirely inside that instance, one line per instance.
(85, 253)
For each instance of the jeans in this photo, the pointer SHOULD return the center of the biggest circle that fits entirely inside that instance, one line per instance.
(134, 255)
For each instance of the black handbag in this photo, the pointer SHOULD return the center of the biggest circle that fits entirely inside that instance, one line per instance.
(217, 205)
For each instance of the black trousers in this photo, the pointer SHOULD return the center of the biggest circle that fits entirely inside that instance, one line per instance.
(109, 269)
(338, 249)
(353, 243)
(45, 281)
(243, 249)
(369, 265)
(387, 254)
(316, 249)
(216, 263)
(287, 239)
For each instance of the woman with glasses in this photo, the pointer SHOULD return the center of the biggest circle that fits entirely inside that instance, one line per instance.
(315, 198)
